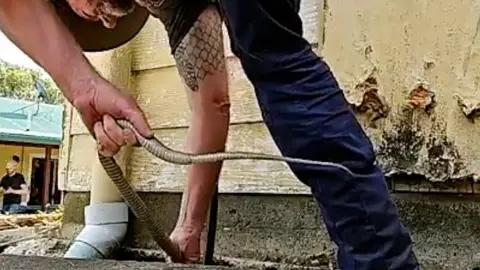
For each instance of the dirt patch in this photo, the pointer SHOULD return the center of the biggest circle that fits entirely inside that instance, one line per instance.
(48, 247)
(444, 160)
(407, 149)
(51, 247)
(322, 261)
(400, 149)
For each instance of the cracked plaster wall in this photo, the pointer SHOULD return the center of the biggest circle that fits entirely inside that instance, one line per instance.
(411, 71)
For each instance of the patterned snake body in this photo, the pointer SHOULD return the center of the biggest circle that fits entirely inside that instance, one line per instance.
(158, 149)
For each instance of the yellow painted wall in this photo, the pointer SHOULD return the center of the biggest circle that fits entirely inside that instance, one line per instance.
(25, 153)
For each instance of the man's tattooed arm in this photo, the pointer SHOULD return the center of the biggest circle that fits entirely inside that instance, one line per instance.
(201, 64)
(201, 52)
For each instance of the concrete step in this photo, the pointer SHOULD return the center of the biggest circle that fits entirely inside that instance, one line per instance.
(13, 262)
(288, 228)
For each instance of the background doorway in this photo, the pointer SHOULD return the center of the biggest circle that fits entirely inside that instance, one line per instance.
(37, 180)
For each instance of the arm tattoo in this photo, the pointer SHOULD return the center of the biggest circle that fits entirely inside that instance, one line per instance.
(201, 52)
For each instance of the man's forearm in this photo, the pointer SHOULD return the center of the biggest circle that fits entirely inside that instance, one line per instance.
(20, 191)
(208, 133)
(205, 76)
(34, 27)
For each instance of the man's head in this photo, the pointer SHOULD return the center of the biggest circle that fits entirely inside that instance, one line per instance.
(11, 167)
(100, 25)
(106, 11)
(16, 158)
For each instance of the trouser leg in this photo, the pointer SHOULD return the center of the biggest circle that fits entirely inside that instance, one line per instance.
(309, 117)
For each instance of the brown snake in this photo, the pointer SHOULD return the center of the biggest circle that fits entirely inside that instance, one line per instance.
(158, 149)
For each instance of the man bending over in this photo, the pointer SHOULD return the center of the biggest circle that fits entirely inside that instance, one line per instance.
(301, 103)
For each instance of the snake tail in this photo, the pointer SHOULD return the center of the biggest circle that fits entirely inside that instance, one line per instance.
(158, 149)
(139, 208)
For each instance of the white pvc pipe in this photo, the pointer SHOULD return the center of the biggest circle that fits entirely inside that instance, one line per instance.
(105, 228)
(106, 218)
(115, 66)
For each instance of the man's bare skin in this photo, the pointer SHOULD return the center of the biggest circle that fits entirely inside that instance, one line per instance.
(201, 64)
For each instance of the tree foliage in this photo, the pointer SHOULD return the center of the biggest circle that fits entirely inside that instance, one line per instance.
(19, 82)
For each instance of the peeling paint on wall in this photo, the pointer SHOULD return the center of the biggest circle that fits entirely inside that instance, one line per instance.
(470, 107)
(421, 97)
(424, 57)
(373, 105)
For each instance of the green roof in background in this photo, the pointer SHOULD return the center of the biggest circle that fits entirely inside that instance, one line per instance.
(21, 122)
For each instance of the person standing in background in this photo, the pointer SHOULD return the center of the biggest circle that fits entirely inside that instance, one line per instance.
(25, 199)
(14, 186)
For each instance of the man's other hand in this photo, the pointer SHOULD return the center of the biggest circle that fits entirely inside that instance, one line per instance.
(99, 104)
(188, 239)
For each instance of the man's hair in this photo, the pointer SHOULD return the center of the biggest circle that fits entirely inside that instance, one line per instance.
(16, 158)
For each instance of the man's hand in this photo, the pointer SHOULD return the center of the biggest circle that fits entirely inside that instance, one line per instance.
(16, 191)
(99, 105)
(188, 240)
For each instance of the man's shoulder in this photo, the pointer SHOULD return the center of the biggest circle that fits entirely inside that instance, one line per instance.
(5, 180)
(17, 177)
(20, 176)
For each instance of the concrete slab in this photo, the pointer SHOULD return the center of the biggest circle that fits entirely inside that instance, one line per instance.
(12, 262)
(288, 229)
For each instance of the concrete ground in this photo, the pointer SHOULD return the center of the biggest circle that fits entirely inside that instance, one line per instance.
(288, 229)
(14, 262)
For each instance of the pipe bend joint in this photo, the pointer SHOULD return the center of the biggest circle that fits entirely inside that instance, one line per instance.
(105, 228)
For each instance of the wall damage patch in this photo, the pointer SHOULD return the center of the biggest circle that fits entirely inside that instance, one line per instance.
(373, 105)
(421, 97)
(410, 149)
(400, 148)
(443, 159)
(470, 107)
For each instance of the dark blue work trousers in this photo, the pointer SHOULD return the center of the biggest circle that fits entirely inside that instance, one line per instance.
(308, 117)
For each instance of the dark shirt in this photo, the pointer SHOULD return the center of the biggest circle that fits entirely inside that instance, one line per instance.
(13, 182)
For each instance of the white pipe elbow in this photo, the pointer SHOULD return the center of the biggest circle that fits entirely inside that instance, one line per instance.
(105, 229)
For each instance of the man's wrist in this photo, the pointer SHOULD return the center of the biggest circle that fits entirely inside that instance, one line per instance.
(193, 228)
(194, 220)
(78, 81)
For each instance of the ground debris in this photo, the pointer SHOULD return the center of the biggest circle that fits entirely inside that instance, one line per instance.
(49, 247)
(47, 231)
(27, 220)
(321, 261)
(26, 233)
(53, 247)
